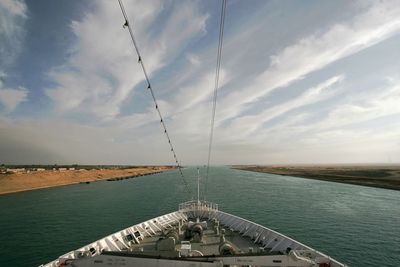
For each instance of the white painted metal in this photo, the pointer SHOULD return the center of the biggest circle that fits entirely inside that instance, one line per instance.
(300, 254)
(114, 241)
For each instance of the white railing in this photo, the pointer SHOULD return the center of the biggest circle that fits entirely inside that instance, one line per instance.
(119, 241)
(198, 205)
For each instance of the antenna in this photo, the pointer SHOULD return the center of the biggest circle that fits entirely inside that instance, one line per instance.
(198, 185)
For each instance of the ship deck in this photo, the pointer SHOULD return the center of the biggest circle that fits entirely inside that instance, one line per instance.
(200, 234)
(208, 245)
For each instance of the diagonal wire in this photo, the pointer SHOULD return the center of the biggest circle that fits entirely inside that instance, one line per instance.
(140, 60)
(214, 107)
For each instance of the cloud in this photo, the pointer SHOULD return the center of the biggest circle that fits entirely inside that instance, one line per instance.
(365, 106)
(355, 110)
(102, 72)
(363, 127)
(54, 141)
(316, 51)
(313, 52)
(193, 59)
(14, 7)
(13, 15)
(100, 76)
(11, 98)
(246, 125)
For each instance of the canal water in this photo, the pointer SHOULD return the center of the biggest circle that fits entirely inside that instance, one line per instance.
(356, 225)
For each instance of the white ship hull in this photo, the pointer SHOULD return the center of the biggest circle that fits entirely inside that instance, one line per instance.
(164, 241)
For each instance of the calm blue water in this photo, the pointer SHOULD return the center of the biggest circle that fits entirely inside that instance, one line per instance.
(356, 225)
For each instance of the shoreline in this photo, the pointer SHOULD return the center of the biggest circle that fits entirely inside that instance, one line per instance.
(17, 182)
(386, 177)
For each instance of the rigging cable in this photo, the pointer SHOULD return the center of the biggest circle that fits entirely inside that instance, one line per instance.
(214, 106)
(140, 61)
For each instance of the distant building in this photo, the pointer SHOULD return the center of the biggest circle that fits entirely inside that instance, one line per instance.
(15, 170)
(62, 169)
(40, 169)
(72, 169)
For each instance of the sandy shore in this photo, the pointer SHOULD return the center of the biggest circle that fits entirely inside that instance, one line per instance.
(18, 182)
(376, 176)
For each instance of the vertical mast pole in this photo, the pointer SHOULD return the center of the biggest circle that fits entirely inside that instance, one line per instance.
(198, 185)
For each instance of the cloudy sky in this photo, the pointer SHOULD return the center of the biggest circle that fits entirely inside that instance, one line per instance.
(301, 82)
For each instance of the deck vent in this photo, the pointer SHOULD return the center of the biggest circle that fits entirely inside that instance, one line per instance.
(92, 251)
(129, 237)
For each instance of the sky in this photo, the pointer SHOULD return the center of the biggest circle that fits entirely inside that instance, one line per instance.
(302, 82)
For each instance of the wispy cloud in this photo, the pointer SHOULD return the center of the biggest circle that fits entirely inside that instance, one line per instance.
(102, 70)
(245, 125)
(313, 52)
(13, 15)
(299, 105)
(353, 130)
(10, 98)
(12, 18)
(365, 106)
(188, 110)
